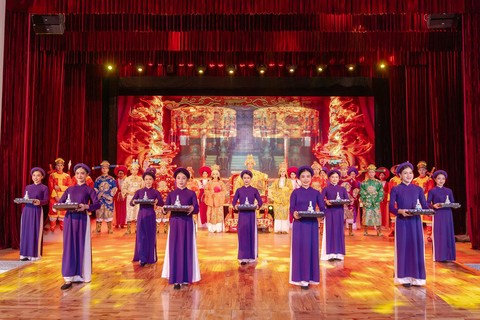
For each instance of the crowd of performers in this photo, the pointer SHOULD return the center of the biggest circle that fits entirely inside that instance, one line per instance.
(374, 202)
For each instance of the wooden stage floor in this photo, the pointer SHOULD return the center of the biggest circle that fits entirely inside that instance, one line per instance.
(361, 287)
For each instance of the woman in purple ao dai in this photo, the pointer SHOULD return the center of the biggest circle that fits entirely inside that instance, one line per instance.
(304, 249)
(146, 238)
(443, 233)
(247, 220)
(180, 265)
(409, 265)
(31, 227)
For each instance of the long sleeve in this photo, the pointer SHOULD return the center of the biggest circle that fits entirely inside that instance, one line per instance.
(125, 186)
(259, 198)
(293, 203)
(345, 194)
(95, 204)
(430, 199)
(45, 195)
(363, 192)
(320, 201)
(451, 196)
(135, 197)
(68, 183)
(196, 208)
(380, 193)
(158, 196)
(64, 197)
(235, 198)
(421, 197)
(393, 200)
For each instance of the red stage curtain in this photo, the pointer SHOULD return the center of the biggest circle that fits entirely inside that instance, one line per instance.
(235, 6)
(472, 121)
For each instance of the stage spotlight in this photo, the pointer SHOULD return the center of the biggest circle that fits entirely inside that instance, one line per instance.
(201, 69)
(350, 67)
(140, 67)
(262, 69)
(383, 65)
(291, 68)
(110, 67)
(321, 68)
(231, 68)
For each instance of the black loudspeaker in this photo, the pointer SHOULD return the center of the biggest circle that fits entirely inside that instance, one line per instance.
(48, 24)
(442, 21)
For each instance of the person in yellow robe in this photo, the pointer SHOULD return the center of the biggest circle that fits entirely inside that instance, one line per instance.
(259, 179)
(280, 193)
(215, 191)
(131, 184)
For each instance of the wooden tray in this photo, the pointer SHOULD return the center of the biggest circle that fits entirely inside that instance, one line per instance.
(23, 200)
(66, 206)
(340, 202)
(250, 207)
(143, 201)
(176, 208)
(310, 214)
(422, 212)
(450, 205)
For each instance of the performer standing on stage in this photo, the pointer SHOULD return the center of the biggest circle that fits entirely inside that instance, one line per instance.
(58, 182)
(259, 179)
(31, 226)
(292, 173)
(247, 220)
(205, 173)
(371, 195)
(77, 245)
(383, 174)
(214, 199)
(351, 186)
(193, 185)
(304, 261)
(395, 181)
(353, 174)
(180, 265)
(131, 184)
(146, 239)
(106, 188)
(426, 183)
(333, 241)
(119, 200)
(318, 182)
(165, 184)
(280, 193)
(409, 268)
(443, 232)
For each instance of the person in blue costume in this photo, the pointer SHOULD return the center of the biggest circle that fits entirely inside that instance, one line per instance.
(409, 265)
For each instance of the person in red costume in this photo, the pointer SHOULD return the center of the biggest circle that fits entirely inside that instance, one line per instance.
(205, 173)
(383, 174)
(58, 182)
(395, 181)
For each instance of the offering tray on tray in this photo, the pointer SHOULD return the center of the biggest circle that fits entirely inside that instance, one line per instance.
(23, 200)
(339, 201)
(145, 201)
(66, 206)
(450, 205)
(247, 207)
(418, 212)
(311, 214)
(174, 208)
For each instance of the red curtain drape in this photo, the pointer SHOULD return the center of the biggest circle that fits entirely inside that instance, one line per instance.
(52, 103)
(472, 118)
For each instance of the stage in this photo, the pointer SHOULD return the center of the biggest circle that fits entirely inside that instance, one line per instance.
(361, 287)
